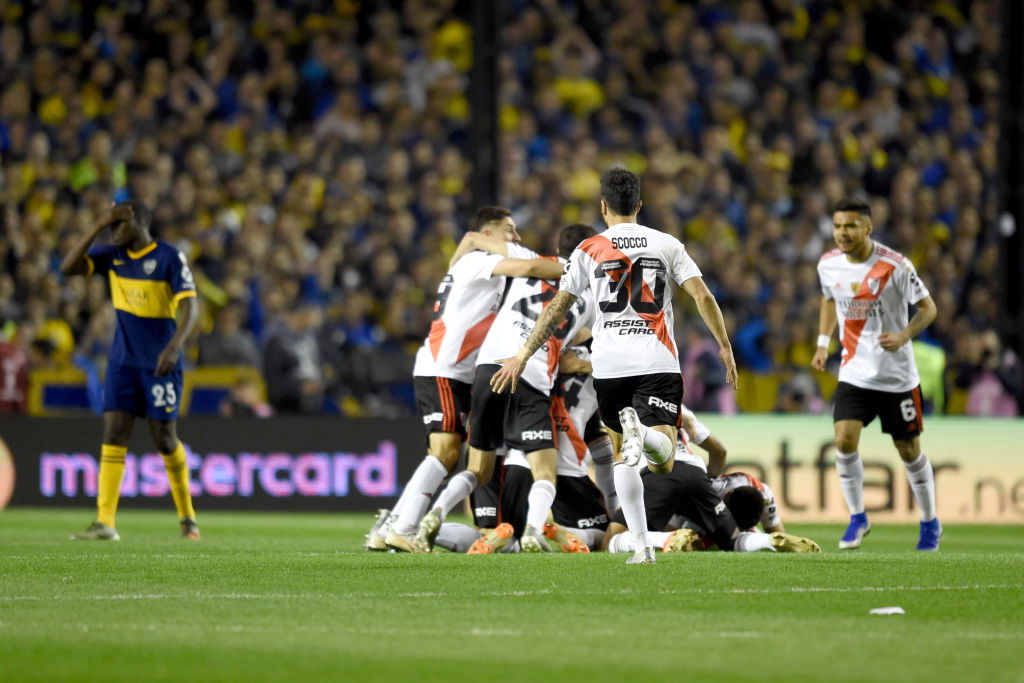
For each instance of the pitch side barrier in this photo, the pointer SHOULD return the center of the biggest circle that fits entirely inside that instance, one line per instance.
(334, 464)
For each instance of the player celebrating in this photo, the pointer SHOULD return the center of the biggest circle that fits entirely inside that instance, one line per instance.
(467, 301)
(149, 280)
(635, 359)
(523, 421)
(869, 287)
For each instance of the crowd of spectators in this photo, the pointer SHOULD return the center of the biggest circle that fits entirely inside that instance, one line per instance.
(310, 159)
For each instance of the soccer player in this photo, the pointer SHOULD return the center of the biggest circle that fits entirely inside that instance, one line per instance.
(635, 359)
(522, 421)
(467, 302)
(869, 288)
(149, 281)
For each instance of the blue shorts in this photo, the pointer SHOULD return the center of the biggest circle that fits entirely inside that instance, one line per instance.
(140, 393)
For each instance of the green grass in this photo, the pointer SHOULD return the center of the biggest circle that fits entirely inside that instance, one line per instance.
(294, 598)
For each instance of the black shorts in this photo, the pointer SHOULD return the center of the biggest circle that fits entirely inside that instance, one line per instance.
(656, 398)
(503, 498)
(686, 491)
(521, 420)
(579, 504)
(442, 403)
(900, 412)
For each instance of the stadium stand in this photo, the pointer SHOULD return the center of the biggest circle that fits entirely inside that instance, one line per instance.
(314, 153)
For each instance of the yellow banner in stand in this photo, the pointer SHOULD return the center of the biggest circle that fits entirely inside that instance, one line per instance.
(979, 467)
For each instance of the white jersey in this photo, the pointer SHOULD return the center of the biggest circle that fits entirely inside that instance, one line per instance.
(873, 297)
(524, 302)
(627, 267)
(573, 405)
(723, 485)
(467, 302)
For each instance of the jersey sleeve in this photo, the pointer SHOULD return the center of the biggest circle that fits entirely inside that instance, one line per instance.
(519, 251)
(179, 276)
(826, 291)
(575, 278)
(483, 264)
(770, 516)
(683, 267)
(99, 258)
(909, 282)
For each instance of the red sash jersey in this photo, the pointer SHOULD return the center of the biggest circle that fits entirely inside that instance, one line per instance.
(145, 287)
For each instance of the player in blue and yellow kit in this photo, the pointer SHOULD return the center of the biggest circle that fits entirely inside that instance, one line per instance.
(149, 282)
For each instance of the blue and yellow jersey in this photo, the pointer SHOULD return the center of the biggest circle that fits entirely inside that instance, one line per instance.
(145, 287)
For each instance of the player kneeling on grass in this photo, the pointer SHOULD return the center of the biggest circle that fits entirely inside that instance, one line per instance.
(149, 281)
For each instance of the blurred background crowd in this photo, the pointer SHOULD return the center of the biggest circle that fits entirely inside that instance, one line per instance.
(310, 159)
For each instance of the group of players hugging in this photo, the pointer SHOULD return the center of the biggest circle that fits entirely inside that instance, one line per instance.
(570, 363)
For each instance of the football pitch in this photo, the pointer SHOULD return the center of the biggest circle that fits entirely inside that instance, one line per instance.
(293, 597)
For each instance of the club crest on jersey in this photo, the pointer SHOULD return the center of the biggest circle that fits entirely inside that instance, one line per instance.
(149, 265)
(874, 284)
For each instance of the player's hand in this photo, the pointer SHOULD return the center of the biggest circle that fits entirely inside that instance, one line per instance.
(892, 341)
(166, 361)
(820, 356)
(119, 213)
(508, 375)
(731, 375)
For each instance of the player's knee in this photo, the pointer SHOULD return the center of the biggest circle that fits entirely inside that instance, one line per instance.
(846, 443)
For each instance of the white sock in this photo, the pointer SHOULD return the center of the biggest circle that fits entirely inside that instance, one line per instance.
(922, 483)
(658, 538)
(851, 479)
(460, 486)
(457, 537)
(601, 452)
(658, 448)
(751, 541)
(421, 487)
(621, 543)
(512, 547)
(538, 503)
(630, 488)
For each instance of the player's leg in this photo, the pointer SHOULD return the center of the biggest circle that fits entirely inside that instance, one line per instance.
(441, 403)
(165, 436)
(122, 400)
(579, 516)
(601, 453)
(499, 506)
(162, 393)
(530, 427)
(854, 409)
(543, 466)
(655, 418)
(903, 420)
(486, 412)
(613, 395)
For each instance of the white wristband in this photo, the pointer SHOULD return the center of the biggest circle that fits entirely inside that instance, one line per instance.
(823, 340)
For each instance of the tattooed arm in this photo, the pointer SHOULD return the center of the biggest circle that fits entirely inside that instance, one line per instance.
(547, 323)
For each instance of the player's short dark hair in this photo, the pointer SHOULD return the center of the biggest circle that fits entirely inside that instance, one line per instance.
(620, 189)
(488, 214)
(142, 213)
(571, 236)
(746, 505)
(855, 205)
